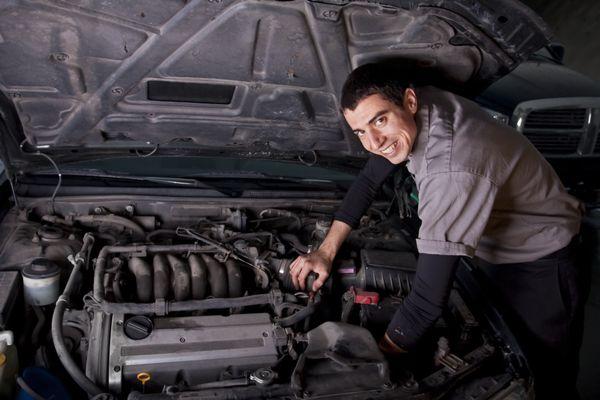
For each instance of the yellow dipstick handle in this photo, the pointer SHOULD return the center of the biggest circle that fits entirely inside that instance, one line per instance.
(143, 377)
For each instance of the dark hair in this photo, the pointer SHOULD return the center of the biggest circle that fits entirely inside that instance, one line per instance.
(385, 79)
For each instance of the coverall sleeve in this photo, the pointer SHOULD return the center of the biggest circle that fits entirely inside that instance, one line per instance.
(454, 208)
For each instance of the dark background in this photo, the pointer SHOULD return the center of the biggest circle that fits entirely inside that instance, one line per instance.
(576, 25)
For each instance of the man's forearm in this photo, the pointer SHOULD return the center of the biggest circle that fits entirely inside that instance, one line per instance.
(338, 232)
(424, 305)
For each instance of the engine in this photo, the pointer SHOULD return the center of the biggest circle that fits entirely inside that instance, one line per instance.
(166, 304)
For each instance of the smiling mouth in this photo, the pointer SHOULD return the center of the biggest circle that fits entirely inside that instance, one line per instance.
(390, 149)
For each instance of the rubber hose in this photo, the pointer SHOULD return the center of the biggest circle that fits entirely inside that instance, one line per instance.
(199, 274)
(143, 279)
(217, 276)
(57, 329)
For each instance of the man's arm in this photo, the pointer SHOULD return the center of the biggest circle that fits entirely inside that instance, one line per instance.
(424, 305)
(355, 203)
(363, 190)
(320, 261)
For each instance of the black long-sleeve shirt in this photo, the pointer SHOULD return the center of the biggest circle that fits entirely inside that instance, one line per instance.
(363, 190)
(435, 273)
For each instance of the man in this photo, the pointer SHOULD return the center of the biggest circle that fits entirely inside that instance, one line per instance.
(484, 192)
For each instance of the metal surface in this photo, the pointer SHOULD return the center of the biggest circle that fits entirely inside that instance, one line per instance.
(561, 134)
(88, 73)
(200, 349)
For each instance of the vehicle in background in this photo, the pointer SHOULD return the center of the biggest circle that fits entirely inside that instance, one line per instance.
(558, 109)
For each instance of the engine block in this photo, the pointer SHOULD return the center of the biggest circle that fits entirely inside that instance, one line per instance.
(189, 350)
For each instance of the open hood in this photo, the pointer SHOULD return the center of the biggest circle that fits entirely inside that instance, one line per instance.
(89, 78)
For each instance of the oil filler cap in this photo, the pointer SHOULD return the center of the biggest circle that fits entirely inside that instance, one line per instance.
(138, 327)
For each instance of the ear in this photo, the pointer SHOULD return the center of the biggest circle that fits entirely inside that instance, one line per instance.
(410, 101)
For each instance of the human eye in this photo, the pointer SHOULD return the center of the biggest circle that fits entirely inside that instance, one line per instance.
(379, 122)
(359, 133)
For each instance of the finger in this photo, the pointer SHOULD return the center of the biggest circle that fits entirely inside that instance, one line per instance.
(294, 270)
(294, 275)
(320, 281)
(294, 280)
(302, 277)
(295, 263)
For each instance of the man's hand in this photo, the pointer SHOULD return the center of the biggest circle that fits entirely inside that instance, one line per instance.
(318, 262)
(387, 346)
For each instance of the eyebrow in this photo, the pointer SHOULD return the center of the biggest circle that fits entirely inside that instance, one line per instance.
(379, 114)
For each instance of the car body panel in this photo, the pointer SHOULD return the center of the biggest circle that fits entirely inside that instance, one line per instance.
(248, 77)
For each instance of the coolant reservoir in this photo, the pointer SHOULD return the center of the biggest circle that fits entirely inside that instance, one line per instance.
(9, 365)
(41, 282)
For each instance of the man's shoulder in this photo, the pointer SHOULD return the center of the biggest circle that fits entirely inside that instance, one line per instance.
(462, 137)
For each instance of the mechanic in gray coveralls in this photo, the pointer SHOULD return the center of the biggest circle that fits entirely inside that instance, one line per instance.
(484, 192)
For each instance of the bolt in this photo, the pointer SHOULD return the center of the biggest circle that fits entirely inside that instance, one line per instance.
(117, 90)
(182, 339)
(130, 209)
(60, 57)
(265, 334)
(117, 368)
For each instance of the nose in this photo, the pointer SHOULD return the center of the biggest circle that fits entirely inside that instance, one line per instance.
(375, 138)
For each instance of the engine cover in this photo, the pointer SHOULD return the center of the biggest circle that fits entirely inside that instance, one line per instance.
(194, 350)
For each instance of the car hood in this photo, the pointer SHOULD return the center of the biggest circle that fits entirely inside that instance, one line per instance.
(93, 78)
(533, 80)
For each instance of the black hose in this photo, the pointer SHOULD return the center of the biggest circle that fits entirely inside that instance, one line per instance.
(57, 319)
(299, 316)
(41, 321)
(295, 242)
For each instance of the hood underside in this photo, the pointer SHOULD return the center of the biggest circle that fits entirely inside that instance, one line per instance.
(231, 75)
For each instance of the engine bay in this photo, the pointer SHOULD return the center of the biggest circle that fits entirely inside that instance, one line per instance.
(161, 299)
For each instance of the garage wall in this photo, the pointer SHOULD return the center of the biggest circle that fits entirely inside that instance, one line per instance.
(576, 24)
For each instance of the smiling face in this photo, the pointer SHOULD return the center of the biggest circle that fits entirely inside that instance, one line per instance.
(384, 128)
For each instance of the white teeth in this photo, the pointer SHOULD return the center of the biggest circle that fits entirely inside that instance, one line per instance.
(389, 149)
